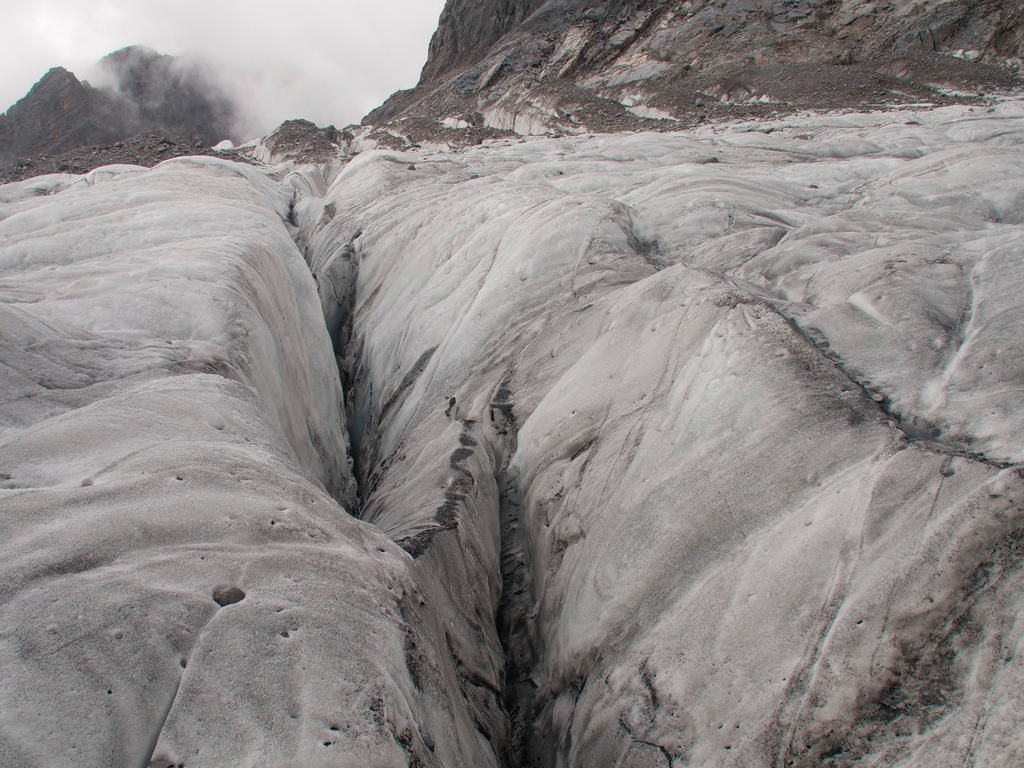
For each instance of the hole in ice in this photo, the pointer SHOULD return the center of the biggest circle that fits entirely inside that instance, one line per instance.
(227, 595)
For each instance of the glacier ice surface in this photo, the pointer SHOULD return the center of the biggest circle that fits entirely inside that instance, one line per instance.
(713, 436)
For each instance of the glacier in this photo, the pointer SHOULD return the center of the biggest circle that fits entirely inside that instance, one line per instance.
(638, 449)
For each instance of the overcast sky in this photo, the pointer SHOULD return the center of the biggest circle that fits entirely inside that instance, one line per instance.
(330, 61)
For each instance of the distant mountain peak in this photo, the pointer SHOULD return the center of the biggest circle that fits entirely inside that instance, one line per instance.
(148, 93)
(58, 73)
(132, 52)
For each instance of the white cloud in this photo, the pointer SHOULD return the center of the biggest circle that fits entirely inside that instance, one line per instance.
(326, 60)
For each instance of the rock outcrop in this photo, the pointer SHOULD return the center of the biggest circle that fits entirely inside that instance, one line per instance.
(147, 93)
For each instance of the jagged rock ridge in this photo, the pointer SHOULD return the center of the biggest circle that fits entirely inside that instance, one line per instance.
(148, 93)
(467, 30)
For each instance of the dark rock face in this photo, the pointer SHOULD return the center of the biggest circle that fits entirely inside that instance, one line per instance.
(580, 65)
(149, 94)
(59, 113)
(466, 30)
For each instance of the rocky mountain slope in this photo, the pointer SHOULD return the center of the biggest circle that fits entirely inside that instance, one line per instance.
(575, 65)
(645, 449)
(146, 93)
